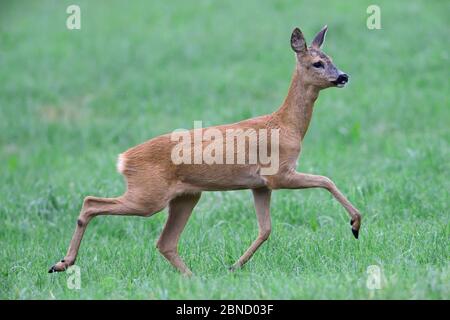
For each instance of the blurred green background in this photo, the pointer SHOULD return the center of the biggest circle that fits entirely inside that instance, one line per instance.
(71, 100)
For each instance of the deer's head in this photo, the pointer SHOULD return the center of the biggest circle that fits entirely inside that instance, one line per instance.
(315, 67)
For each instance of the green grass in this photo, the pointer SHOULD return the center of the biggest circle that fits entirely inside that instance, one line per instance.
(70, 101)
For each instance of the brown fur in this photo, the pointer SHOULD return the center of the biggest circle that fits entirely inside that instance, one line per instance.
(155, 182)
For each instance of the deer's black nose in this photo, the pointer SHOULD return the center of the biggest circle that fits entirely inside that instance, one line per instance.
(342, 79)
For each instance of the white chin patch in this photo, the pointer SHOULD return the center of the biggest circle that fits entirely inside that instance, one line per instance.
(340, 85)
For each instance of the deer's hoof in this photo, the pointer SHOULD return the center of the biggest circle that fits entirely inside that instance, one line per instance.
(58, 267)
(188, 274)
(354, 231)
(234, 267)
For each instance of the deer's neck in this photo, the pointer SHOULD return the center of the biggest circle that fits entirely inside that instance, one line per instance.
(296, 111)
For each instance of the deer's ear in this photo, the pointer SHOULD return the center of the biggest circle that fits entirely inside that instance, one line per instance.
(298, 42)
(319, 38)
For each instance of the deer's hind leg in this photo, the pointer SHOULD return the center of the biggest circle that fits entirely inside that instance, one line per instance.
(135, 202)
(180, 209)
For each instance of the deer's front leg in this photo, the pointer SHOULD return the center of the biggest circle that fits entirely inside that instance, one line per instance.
(262, 205)
(297, 180)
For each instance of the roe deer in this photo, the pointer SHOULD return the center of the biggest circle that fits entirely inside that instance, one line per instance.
(155, 182)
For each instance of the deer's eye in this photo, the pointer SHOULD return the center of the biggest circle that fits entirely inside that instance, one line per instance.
(318, 64)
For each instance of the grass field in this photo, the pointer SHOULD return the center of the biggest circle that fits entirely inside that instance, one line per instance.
(70, 101)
